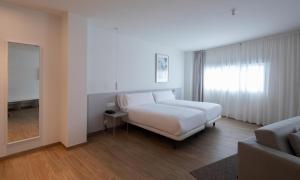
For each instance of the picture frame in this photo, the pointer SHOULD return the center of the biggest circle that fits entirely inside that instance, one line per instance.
(161, 68)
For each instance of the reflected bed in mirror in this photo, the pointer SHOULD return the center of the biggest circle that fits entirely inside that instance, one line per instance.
(23, 91)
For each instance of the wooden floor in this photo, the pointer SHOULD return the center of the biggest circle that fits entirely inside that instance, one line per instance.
(136, 155)
(23, 124)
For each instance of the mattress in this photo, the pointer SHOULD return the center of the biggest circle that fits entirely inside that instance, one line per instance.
(211, 110)
(170, 119)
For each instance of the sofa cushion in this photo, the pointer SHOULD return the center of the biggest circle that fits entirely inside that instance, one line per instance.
(276, 135)
(294, 139)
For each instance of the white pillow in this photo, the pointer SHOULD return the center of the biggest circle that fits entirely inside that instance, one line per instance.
(137, 99)
(160, 96)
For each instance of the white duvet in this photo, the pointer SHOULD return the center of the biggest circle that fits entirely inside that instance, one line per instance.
(211, 110)
(171, 119)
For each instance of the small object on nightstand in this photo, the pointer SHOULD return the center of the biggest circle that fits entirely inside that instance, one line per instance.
(113, 117)
(110, 112)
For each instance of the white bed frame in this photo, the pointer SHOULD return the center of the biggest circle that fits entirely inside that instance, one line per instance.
(176, 138)
(213, 122)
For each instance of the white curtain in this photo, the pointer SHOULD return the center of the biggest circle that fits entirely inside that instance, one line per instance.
(257, 81)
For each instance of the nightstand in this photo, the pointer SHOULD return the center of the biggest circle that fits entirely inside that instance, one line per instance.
(114, 117)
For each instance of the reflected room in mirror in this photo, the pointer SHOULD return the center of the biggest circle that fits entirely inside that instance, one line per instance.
(23, 91)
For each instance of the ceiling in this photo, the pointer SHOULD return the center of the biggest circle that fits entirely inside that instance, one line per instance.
(185, 24)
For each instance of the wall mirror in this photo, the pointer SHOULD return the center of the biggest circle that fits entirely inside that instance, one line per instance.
(23, 92)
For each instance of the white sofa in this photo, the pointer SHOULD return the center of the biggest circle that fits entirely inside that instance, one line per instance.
(269, 155)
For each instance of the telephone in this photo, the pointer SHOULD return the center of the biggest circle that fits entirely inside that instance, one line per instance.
(110, 112)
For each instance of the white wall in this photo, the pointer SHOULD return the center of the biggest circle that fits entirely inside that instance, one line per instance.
(23, 72)
(135, 66)
(62, 41)
(3, 77)
(75, 131)
(188, 75)
(63, 66)
(34, 27)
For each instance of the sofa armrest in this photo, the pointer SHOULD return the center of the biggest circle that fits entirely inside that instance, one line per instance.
(257, 162)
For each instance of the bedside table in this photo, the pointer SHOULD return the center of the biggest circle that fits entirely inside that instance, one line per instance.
(114, 117)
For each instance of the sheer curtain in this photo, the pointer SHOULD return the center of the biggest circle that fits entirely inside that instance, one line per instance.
(257, 81)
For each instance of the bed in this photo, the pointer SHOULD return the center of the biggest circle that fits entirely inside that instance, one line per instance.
(212, 111)
(173, 122)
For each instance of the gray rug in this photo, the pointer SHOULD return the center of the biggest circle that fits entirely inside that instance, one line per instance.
(225, 169)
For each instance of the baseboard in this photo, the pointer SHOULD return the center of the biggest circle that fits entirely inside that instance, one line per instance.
(30, 151)
(39, 149)
(102, 130)
(75, 146)
(95, 133)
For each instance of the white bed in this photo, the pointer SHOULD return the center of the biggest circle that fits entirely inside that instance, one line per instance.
(212, 111)
(173, 122)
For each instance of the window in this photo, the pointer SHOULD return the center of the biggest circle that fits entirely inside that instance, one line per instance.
(234, 78)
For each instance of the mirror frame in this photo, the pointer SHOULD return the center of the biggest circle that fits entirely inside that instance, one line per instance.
(6, 93)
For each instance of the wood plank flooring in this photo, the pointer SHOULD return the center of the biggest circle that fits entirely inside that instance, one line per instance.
(136, 155)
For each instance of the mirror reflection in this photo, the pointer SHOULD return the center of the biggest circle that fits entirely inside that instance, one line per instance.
(23, 91)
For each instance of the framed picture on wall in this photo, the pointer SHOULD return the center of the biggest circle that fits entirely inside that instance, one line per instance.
(162, 68)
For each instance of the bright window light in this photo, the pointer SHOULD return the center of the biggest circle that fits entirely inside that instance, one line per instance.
(234, 78)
